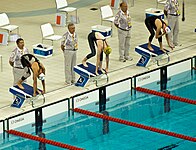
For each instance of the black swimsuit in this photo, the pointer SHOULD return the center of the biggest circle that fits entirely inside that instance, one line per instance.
(26, 61)
(150, 24)
(92, 41)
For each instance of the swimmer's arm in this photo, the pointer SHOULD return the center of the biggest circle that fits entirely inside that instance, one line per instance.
(35, 75)
(43, 81)
(167, 39)
(169, 44)
(98, 62)
(43, 68)
(157, 33)
(107, 63)
(44, 87)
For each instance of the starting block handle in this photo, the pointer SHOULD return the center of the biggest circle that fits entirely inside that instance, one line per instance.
(158, 60)
(33, 100)
(99, 77)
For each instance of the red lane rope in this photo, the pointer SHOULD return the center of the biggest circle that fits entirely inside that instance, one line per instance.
(165, 95)
(137, 125)
(43, 140)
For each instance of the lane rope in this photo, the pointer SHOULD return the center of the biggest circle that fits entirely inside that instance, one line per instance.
(133, 124)
(165, 95)
(43, 140)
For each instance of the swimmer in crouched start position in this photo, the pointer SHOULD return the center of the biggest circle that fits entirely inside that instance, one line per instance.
(102, 46)
(30, 62)
(155, 23)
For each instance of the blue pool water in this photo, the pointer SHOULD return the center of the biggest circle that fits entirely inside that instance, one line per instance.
(86, 132)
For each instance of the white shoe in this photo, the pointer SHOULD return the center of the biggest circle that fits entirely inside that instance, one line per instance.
(67, 84)
(129, 58)
(178, 45)
(72, 81)
(122, 60)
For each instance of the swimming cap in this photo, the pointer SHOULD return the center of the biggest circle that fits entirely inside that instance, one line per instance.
(167, 29)
(41, 77)
(107, 50)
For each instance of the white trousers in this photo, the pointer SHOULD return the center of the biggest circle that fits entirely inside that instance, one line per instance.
(124, 38)
(70, 62)
(173, 22)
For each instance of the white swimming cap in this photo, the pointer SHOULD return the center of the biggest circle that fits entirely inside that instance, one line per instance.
(167, 29)
(41, 77)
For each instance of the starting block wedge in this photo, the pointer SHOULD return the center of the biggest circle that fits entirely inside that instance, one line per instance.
(87, 73)
(26, 94)
(160, 57)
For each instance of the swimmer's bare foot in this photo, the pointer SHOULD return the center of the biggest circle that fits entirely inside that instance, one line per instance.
(172, 47)
(19, 83)
(20, 86)
(84, 62)
(96, 73)
(150, 48)
(102, 71)
(39, 92)
(106, 70)
(163, 50)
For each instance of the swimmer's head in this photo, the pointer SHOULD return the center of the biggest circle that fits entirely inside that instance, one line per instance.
(107, 50)
(167, 29)
(41, 77)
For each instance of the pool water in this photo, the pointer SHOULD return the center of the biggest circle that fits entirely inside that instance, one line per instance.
(87, 132)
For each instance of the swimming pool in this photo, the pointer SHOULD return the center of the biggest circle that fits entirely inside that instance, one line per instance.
(87, 132)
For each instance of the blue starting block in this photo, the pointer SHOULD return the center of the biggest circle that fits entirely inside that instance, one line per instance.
(22, 95)
(87, 73)
(147, 54)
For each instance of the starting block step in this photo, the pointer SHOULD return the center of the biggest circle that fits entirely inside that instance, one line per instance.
(146, 55)
(22, 95)
(87, 73)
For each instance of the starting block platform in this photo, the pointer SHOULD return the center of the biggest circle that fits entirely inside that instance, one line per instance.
(25, 95)
(88, 73)
(160, 57)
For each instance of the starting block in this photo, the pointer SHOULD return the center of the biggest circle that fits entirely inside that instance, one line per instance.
(26, 94)
(88, 73)
(160, 57)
